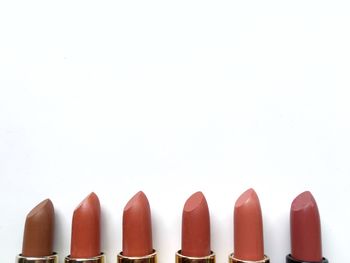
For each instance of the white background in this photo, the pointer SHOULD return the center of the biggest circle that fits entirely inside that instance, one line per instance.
(172, 97)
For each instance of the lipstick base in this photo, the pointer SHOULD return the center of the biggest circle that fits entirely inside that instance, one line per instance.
(179, 258)
(232, 259)
(49, 259)
(99, 259)
(151, 258)
(290, 259)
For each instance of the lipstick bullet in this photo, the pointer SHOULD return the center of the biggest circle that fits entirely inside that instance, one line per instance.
(86, 232)
(248, 230)
(305, 231)
(38, 235)
(137, 232)
(195, 241)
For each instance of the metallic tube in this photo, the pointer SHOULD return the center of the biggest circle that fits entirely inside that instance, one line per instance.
(151, 258)
(290, 259)
(232, 259)
(49, 259)
(179, 258)
(99, 259)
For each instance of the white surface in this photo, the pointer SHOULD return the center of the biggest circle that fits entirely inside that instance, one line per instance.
(172, 97)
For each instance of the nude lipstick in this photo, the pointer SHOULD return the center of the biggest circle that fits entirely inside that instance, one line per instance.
(137, 232)
(305, 231)
(38, 235)
(86, 232)
(195, 240)
(248, 230)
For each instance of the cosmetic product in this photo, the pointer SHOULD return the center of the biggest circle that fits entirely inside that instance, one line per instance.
(248, 230)
(195, 240)
(86, 232)
(305, 231)
(38, 235)
(137, 232)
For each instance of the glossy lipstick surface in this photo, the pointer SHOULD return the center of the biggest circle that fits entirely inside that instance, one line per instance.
(305, 229)
(137, 227)
(248, 228)
(196, 227)
(85, 241)
(39, 231)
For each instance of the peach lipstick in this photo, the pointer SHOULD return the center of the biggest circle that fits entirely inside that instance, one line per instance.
(195, 244)
(137, 232)
(86, 232)
(248, 230)
(38, 235)
(305, 231)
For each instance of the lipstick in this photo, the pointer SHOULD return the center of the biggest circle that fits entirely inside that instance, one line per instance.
(86, 232)
(38, 235)
(195, 240)
(305, 231)
(137, 232)
(248, 230)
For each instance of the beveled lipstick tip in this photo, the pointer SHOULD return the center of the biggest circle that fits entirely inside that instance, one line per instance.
(139, 196)
(303, 200)
(43, 204)
(194, 201)
(92, 197)
(248, 195)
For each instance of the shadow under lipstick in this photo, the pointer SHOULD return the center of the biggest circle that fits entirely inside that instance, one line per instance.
(305, 231)
(195, 244)
(38, 235)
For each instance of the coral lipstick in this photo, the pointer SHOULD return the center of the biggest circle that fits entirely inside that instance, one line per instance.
(38, 235)
(305, 231)
(137, 232)
(86, 232)
(248, 230)
(195, 242)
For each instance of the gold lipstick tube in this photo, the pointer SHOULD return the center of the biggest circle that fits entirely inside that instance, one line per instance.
(48, 259)
(179, 258)
(151, 258)
(98, 259)
(232, 259)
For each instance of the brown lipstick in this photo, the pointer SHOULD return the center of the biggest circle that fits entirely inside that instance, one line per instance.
(195, 241)
(137, 232)
(86, 232)
(305, 231)
(248, 230)
(38, 235)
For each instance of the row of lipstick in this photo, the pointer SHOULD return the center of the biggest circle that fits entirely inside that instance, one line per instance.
(195, 248)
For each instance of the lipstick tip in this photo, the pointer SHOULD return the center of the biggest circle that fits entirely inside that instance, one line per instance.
(139, 197)
(303, 200)
(248, 196)
(92, 198)
(40, 207)
(194, 201)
